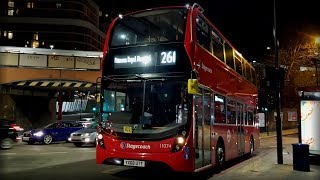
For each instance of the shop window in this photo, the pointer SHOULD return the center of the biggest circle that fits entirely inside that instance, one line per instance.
(11, 3)
(30, 5)
(10, 12)
(10, 35)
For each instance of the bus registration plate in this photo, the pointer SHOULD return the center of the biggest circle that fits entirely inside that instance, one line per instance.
(134, 163)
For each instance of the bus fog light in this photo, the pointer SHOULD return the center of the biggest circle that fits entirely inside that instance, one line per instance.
(178, 147)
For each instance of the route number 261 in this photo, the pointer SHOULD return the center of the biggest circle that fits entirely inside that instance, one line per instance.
(168, 57)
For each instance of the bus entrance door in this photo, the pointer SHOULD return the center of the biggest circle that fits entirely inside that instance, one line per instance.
(240, 129)
(202, 145)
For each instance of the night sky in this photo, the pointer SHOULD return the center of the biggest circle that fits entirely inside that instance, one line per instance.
(248, 24)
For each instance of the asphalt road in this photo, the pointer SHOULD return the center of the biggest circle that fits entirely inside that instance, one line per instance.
(65, 161)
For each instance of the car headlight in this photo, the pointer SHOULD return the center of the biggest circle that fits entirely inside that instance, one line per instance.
(40, 133)
(86, 134)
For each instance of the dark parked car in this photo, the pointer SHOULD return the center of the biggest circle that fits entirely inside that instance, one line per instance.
(54, 132)
(8, 134)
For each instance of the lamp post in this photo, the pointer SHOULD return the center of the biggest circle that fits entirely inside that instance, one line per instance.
(277, 80)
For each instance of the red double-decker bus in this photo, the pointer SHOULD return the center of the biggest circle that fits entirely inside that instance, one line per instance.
(175, 93)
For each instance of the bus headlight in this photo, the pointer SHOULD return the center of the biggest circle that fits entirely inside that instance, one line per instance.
(180, 140)
(179, 143)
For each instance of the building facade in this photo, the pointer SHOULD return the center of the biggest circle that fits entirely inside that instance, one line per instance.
(58, 24)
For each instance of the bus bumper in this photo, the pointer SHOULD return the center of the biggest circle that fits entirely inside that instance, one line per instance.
(178, 161)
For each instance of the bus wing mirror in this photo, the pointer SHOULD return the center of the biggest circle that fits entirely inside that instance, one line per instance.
(193, 86)
(98, 97)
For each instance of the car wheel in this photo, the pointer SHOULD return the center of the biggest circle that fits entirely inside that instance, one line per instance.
(6, 143)
(47, 139)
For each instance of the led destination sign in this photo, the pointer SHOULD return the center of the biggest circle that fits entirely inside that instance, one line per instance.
(145, 59)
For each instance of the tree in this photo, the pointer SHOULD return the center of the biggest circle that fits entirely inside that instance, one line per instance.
(296, 58)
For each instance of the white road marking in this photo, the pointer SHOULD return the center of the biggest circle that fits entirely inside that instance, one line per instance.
(62, 152)
(92, 151)
(7, 154)
(115, 169)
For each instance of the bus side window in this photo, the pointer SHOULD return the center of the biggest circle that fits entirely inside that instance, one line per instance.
(238, 64)
(231, 112)
(250, 117)
(217, 45)
(229, 56)
(219, 109)
(247, 71)
(254, 78)
(202, 32)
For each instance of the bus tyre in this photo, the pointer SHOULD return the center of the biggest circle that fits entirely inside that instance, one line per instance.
(251, 146)
(220, 157)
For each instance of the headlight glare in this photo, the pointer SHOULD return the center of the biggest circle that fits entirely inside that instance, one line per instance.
(38, 134)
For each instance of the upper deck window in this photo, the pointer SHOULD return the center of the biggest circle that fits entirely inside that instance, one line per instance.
(152, 26)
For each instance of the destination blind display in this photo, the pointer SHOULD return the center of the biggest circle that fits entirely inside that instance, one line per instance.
(145, 59)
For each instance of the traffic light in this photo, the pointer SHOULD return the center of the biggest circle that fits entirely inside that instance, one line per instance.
(94, 109)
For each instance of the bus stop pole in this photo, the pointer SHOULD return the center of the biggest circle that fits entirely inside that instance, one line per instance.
(277, 83)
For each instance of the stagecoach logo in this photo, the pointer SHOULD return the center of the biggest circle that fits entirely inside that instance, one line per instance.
(228, 136)
(124, 145)
(205, 68)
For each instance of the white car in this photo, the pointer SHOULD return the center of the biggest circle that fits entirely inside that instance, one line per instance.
(85, 136)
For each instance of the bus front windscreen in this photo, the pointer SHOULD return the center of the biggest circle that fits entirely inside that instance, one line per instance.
(151, 26)
(147, 107)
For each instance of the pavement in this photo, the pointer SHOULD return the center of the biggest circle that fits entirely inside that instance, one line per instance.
(274, 133)
(266, 166)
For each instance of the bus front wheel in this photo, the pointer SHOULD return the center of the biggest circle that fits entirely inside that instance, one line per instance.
(220, 157)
